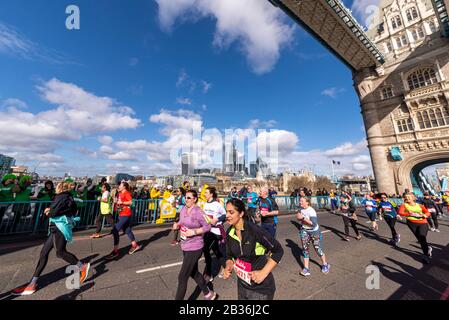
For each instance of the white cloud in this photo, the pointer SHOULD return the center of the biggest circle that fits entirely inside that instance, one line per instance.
(332, 92)
(123, 156)
(14, 103)
(180, 119)
(15, 44)
(77, 114)
(105, 140)
(258, 27)
(206, 86)
(366, 11)
(347, 149)
(256, 123)
(184, 101)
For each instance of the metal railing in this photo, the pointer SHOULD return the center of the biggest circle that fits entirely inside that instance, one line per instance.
(29, 217)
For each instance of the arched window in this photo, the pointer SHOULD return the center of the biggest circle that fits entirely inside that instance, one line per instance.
(412, 14)
(422, 78)
(446, 115)
(427, 123)
(440, 118)
(409, 124)
(421, 120)
(433, 118)
(396, 22)
(433, 27)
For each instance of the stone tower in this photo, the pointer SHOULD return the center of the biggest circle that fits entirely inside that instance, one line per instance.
(405, 102)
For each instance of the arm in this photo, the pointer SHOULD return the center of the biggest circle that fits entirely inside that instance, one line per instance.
(425, 211)
(403, 212)
(205, 227)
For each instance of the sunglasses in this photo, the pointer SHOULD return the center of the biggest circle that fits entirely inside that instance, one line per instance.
(190, 198)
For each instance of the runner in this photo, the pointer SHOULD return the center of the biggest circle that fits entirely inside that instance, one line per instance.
(124, 221)
(387, 209)
(334, 201)
(247, 245)
(268, 210)
(310, 234)
(251, 202)
(61, 213)
(180, 202)
(192, 225)
(214, 239)
(105, 210)
(371, 210)
(417, 222)
(349, 217)
(432, 207)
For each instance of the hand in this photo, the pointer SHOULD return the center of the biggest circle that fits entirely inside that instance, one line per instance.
(119, 202)
(47, 211)
(263, 213)
(175, 226)
(258, 276)
(299, 216)
(227, 271)
(214, 221)
(399, 218)
(190, 233)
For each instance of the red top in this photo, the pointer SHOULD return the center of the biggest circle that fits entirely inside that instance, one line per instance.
(125, 196)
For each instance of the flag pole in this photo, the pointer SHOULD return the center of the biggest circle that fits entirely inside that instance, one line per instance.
(333, 173)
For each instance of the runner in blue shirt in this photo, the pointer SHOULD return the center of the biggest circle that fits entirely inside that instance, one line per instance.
(388, 211)
(252, 197)
(371, 210)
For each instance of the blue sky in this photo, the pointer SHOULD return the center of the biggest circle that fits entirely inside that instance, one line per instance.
(108, 97)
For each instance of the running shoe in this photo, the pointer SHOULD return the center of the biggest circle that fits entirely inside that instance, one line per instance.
(430, 252)
(358, 237)
(114, 254)
(95, 236)
(26, 290)
(174, 243)
(437, 230)
(432, 229)
(211, 296)
(346, 239)
(325, 268)
(84, 272)
(398, 238)
(426, 259)
(134, 249)
(305, 272)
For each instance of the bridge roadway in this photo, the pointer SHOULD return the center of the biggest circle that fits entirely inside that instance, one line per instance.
(403, 276)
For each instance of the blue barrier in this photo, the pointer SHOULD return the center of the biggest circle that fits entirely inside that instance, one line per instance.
(29, 217)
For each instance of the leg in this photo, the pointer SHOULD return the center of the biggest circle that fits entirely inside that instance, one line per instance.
(435, 219)
(420, 232)
(128, 230)
(98, 222)
(317, 244)
(391, 222)
(197, 276)
(208, 242)
(346, 222)
(116, 229)
(110, 219)
(216, 248)
(61, 251)
(354, 226)
(305, 239)
(43, 259)
(189, 262)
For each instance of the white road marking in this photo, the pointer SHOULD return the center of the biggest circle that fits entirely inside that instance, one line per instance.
(162, 267)
(325, 231)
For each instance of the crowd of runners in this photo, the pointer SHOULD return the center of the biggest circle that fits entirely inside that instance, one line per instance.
(247, 246)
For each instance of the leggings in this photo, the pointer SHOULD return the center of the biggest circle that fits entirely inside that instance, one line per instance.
(124, 223)
(247, 294)
(211, 242)
(420, 231)
(433, 220)
(347, 221)
(391, 222)
(308, 239)
(99, 221)
(190, 269)
(56, 240)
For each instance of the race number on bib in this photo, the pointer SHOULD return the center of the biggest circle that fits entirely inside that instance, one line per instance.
(182, 233)
(242, 270)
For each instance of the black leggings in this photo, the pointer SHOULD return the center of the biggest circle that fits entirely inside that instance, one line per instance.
(99, 221)
(433, 220)
(190, 269)
(391, 222)
(56, 240)
(353, 223)
(420, 231)
(212, 242)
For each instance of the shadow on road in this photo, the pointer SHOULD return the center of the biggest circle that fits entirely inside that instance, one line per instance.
(47, 279)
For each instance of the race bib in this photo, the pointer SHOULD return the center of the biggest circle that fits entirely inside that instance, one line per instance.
(182, 233)
(432, 210)
(250, 199)
(242, 270)
(264, 209)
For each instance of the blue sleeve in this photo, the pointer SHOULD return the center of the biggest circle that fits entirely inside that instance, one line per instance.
(314, 221)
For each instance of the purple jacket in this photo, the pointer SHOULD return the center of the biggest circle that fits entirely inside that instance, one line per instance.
(195, 219)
